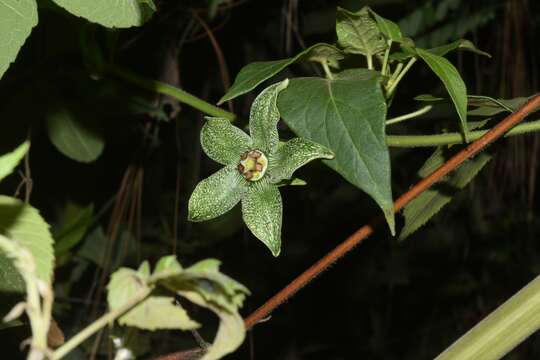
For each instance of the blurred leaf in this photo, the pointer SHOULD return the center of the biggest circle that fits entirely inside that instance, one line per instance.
(389, 28)
(125, 284)
(75, 223)
(158, 312)
(17, 18)
(23, 224)
(255, 73)
(118, 14)
(72, 137)
(502, 330)
(452, 81)
(461, 44)
(9, 161)
(431, 201)
(347, 116)
(358, 33)
(231, 331)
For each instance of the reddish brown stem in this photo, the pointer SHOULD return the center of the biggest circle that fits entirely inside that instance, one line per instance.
(338, 252)
(342, 249)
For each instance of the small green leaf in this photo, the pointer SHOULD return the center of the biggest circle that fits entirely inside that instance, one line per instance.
(124, 285)
(231, 331)
(255, 73)
(167, 264)
(9, 161)
(358, 33)
(348, 117)
(72, 137)
(294, 154)
(224, 142)
(158, 312)
(431, 201)
(23, 224)
(263, 118)
(461, 44)
(216, 194)
(262, 211)
(17, 18)
(118, 14)
(389, 28)
(453, 83)
(74, 227)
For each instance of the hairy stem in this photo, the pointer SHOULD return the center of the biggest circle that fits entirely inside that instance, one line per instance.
(172, 91)
(402, 73)
(453, 138)
(98, 324)
(411, 115)
(385, 59)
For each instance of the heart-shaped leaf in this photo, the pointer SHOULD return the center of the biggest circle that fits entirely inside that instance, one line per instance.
(348, 117)
(255, 73)
(17, 18)
(118, 14)
(358, 33)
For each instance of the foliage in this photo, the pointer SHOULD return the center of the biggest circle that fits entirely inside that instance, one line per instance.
(342, 117)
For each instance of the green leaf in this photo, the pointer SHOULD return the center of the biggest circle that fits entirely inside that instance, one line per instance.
(167, 264)
(358, 33)
(216, 194)
(294, 154)
(389, 28)
(72, 137)
(158, 312)
(431, 201)
(453, 83)
(262, 211)
(124, 285)
(231, 331)
(119, 14)
(224, 142)
(10, 279)
(461, 44)
(255, 73)
(502, 330)
(9, 161)
(23, 224)
(17, 18)
(76, 222)
(263, 118)
(347, 116)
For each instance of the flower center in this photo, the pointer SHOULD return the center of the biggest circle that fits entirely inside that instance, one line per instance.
(253, 164)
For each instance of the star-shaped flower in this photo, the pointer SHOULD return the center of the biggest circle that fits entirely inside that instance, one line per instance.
(254, 166)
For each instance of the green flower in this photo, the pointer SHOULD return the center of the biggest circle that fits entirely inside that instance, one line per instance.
(254, 167)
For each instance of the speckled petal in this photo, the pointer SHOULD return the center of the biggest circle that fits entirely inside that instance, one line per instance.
(223, 142)
(264, 117)
(262, 210)
(294, 154)
(216, 194)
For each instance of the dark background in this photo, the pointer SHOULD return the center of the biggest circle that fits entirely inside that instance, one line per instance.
(385, 300)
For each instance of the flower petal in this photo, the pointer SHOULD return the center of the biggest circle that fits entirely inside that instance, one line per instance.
(223, 142)
(294, 154)
(216, 194)
(262, 210)
(264, 117)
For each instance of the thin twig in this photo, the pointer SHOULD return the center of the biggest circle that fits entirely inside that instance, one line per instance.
(366, 230)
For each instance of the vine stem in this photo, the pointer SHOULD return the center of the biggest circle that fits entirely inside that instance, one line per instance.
(401, 75)
(98, 324)
(172, 91)
(368, 229)
(454, 137)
